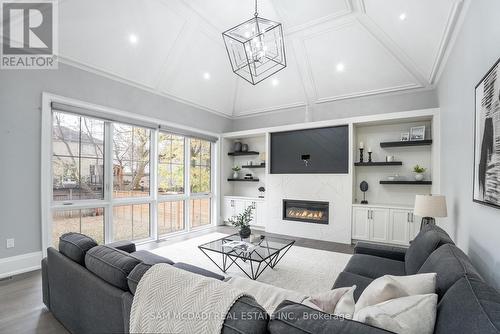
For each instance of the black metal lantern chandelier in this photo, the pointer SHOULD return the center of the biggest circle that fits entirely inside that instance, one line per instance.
(256, 48)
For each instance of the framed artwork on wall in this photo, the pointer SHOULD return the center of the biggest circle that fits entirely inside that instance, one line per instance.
(487, 139)
(417, 133)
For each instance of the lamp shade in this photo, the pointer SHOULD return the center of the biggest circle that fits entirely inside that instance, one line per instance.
(430, 206)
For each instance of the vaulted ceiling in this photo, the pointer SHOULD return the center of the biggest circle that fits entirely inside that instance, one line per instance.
(336, 49)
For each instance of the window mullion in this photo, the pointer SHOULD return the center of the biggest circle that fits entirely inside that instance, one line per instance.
(153, 183)
(108, 180)
(187, 187)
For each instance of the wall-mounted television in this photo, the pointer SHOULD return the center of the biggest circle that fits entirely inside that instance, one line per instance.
(311, 151)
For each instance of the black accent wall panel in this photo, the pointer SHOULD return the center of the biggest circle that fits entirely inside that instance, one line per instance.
(326, 151)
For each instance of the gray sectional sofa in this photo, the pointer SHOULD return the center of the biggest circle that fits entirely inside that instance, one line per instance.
(90, 288)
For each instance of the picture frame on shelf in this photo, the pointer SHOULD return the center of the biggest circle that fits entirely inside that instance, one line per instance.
(405, 136)
(417, 133)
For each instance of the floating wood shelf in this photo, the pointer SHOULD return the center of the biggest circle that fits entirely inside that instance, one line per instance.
(426, 142)
(380, 163)
(243, 180)
(422, 183)
(254, 166)
(235, 154)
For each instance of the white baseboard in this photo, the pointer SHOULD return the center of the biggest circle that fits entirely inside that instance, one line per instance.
(19, 264)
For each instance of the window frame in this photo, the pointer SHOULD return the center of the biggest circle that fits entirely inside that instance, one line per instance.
(110, 116)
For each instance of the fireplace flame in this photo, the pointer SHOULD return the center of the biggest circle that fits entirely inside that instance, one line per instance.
(305, 213)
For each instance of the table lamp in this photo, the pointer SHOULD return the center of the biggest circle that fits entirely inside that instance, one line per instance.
(428, 207)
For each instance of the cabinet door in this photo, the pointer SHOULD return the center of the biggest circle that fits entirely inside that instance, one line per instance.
(379, 225)
(228, 209)
(399, 227)
(414, 226)
(259, 216)
(360, 227)
(239, 206)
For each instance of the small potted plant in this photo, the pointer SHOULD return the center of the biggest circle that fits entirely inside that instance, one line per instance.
(419, 172)
(242, 221)
(236, 169)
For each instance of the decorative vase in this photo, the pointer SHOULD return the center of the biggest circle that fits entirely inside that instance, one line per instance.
(244, 148)
(237, 146)
(419, 176)
(235, 175)
(245, 232)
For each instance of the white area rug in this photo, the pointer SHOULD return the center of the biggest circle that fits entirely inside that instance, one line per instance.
(302, 269)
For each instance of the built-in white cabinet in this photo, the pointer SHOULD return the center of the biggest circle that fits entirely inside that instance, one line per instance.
(384, 224)
(236, 205)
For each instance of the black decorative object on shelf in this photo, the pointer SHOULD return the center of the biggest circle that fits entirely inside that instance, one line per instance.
(237, 146)
(244, 147)
(423, 183)
(426, 142)
(364, 188)
(361, 155)
(369, 156)
(378, 163)
(242, 153)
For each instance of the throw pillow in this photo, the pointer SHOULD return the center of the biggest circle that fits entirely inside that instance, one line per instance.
(390, 287)
(407, 315)
(338, 302)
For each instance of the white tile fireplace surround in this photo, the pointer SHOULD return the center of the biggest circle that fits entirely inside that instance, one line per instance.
(335, 189)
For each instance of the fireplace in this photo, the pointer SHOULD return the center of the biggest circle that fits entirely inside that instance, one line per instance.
(306, 211)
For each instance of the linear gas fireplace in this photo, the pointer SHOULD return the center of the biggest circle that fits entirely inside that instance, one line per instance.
(305, 211)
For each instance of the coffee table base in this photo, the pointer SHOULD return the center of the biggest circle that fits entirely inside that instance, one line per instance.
(256, 267)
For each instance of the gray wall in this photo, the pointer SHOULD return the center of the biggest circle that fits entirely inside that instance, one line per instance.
(369, 105)
(20, 117)
(476, 227)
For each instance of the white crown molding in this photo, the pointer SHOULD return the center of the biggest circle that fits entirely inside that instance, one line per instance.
(463, 10)
(107, 74)
(445, 40)
(19, 264)
(368, 92)
(257, 111)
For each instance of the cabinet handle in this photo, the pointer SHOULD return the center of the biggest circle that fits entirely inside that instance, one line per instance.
(368, 214)
(407, 217)
(232, 203)
(412, 217)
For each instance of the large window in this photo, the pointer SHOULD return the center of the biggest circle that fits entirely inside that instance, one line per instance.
(116, 181)
(77, 157)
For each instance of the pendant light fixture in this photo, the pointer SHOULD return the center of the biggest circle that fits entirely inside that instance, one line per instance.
(256, 48)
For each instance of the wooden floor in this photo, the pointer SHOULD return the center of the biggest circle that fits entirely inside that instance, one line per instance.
(22, 310)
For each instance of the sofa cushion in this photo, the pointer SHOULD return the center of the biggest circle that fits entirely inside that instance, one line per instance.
(469, 306)
(347, 279)
(111, 264)
(151, 258)
(450, 264)
(135, 276)
(293, 318)
(124, 245)
(246, 316)
(374, 267)
(198, 270)
(75, 246)
(426, 242)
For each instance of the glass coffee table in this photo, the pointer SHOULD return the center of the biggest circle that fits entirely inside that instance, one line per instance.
(258, 253)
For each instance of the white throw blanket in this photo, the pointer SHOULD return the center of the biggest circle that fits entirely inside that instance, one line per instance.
(171, 300)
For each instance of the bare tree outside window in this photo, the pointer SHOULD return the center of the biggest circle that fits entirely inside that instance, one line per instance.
(131, 158)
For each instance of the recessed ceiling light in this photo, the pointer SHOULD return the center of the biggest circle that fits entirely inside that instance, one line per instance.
(402, 17)
(206, 76)
(340, 67)
(133, 39)
(275, 82)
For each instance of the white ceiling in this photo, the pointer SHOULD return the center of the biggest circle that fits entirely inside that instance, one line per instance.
(180, 53)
